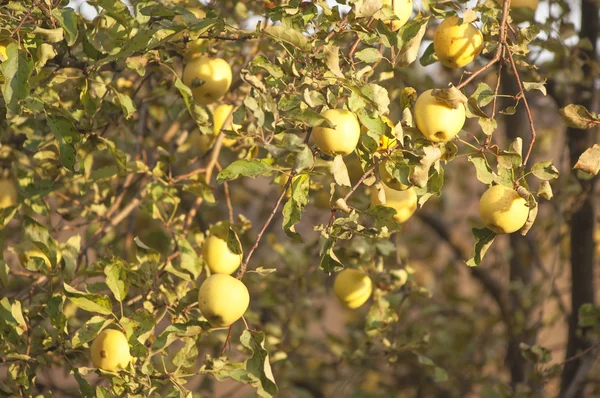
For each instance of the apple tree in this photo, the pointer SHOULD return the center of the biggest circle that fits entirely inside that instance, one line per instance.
(298, 198)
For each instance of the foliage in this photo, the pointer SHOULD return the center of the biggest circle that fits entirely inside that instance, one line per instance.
(114, 163)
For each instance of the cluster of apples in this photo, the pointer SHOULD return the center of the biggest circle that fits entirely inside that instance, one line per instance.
(223, 299)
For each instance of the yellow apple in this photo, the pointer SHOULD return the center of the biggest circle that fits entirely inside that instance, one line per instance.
(402, 9)
(218, 257)
(389, 179)
(404, 202)
(352, 287)
(457, 45)
(208, 78)
(223, 299)
(343, 138)
(503, 210)
(8, 193)
(110, 350)
(437, 121)
(223, 119)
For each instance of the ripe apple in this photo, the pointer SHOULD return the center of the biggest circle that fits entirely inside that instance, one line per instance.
(402, 9)
(389, 179)
(404, 202)
(503, 210)
(208, 78)
(222, 119)
(110, 350)
(8, 191)
(437, 121)
(457, 45)
(343, 138)
(218, 257)
(223, 299)
(352, 287)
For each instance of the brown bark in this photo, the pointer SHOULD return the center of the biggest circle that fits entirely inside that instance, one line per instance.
(583, 214)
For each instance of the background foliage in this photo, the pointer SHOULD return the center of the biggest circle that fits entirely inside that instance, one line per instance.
(120, 177)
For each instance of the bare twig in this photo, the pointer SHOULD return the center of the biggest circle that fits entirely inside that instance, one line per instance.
(357, 41)
(266, 225)
(529, 116)
(499, 49)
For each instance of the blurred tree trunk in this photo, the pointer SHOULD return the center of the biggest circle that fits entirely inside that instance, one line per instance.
(583, 215)
(521, 268)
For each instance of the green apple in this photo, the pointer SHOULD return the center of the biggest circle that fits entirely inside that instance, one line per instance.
(352, 287)
(503, 210)
(110, 350)
(343, 138)
(457, 45)
(437, 121)
(223, 299)
(218, 257)
(209, 79)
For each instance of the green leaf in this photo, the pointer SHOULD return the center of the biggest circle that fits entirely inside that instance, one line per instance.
(263, 63)
(488, 125)
(528, 86)
(245, 168)
(197, 112)
(484, 173)
(340, 172)
(589, 316)
(85, 388)
(483, 240)
(329, 261)
(589, 161)
(545, 170)
(116, 9)
(369, 55)
(126, 104)
(89, 301)
(258, 365)
(577, 116)
(189, 259)
(67, 19)
(90, 329)
(409, 40)
(292, 210)
(288, 35)
(67, 136)
(16, 71)
(369, 8)
(116, 279)
(429, 57)
(332, 59)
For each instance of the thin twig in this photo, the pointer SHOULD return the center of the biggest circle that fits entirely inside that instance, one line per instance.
(526, 103)
(357, 41)
(266, 225)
